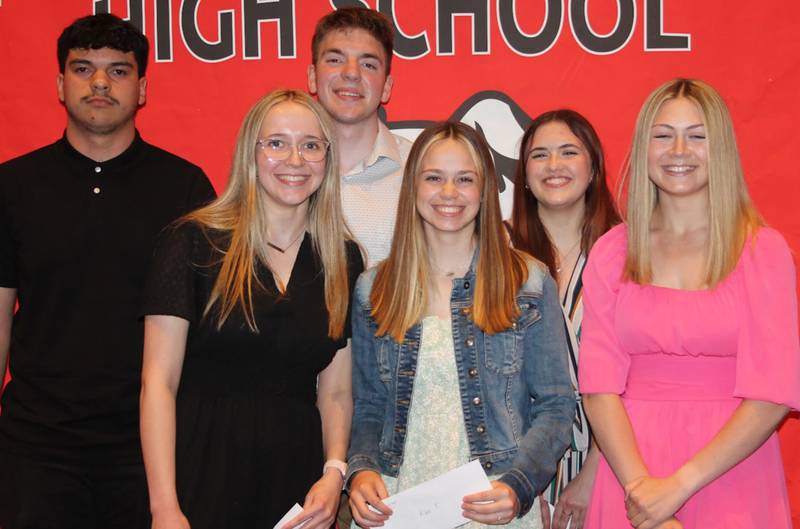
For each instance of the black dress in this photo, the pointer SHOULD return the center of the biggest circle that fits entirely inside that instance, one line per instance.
(249, 438)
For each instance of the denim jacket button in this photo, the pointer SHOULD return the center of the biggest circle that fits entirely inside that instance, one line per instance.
(470, 341)
(514, 326)
(466, 285)
(476, 401)
(480, 429)
(487, 465)
(473, 372)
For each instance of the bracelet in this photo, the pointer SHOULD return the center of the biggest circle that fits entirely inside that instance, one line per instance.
(338, 464)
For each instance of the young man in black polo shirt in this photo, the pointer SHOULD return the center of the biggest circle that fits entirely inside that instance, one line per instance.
(78, 220)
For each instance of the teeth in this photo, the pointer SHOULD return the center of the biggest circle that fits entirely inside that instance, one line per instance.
(292, 178)
(556, 180)
(449, 209)
(679, 168)
(348, 94)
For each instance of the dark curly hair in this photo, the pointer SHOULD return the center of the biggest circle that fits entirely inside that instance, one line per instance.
(103, 30)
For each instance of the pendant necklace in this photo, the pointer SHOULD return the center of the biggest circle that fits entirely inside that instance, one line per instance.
(450, 273)
(283, 250)
(563, 257)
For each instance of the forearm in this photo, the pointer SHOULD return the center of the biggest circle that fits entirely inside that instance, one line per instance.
(157, 422)
(164, 349)
(8, 298)
(744, 432)
(590, 464)
(335, 404)
(614, 434)
(548, 437)
(370, 397)
(542, 447)
(369, 414)
(363, 451)
(5, 342)
(336, 411)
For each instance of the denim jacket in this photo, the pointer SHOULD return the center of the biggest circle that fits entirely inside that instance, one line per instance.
(516, 394)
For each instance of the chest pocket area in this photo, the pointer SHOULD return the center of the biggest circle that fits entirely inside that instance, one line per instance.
(504, 351)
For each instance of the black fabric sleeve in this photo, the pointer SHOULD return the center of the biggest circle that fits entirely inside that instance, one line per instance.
(355, 265)
(8, 253)
(171, 280)
(202, 192)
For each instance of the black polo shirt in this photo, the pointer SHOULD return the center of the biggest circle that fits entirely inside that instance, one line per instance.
(76, 237)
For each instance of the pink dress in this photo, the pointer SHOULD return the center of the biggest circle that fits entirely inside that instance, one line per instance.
(682, 361)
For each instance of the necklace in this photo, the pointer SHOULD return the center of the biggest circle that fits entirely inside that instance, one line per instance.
(449, 273)
(563, 257)
(283, 250)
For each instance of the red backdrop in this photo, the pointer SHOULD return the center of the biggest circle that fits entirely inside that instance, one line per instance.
(540, 54)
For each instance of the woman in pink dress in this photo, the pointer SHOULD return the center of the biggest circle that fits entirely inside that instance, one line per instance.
(689, 354)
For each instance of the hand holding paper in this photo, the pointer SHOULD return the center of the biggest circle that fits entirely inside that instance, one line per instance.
(436, 504)
(294, 511)
(496, 506)
(367, 491)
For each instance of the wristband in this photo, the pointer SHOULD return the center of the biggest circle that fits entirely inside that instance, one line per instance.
(338, 464)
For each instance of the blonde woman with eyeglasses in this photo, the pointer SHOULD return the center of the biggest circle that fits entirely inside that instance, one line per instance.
(246, 392)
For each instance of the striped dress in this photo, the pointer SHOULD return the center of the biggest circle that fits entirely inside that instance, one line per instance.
(573, 459)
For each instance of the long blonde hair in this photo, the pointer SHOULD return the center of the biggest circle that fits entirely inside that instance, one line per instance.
(398, 294)
(240, 213)
(731, 214)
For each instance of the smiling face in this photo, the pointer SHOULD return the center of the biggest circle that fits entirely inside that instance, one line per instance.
(101, 90)
(349, 76)
(677, 153)
(448, 189)
(289, 183)
(558, 167)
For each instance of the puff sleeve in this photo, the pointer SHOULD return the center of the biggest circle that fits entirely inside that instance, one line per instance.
(768, 354)
(603, 365)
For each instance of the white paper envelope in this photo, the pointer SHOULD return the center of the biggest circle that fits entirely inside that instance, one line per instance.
(436, 504)
(294, 511)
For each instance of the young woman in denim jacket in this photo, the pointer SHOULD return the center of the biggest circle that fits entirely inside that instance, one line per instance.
(458, 346)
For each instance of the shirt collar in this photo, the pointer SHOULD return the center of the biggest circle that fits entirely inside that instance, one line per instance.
(385, 147)
(83, 163)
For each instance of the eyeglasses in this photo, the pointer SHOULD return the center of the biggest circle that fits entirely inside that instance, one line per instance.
(278, 150)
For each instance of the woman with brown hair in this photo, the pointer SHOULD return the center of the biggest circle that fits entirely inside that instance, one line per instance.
(690, 356)
(246, 377)
(458, 346)
(562, 205)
